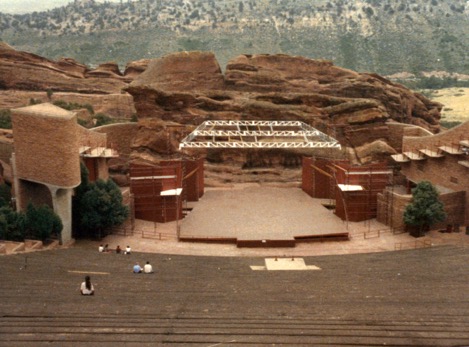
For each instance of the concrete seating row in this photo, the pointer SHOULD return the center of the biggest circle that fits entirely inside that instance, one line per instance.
(413, 297)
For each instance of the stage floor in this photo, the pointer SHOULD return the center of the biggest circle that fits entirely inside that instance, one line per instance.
(259, 213)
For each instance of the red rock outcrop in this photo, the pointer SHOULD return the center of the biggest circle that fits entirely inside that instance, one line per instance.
(188, 88)
(107, 70)
(135, 68)
(175, 93)
(27, 71)
(348, 97)
(190, 71)
(25, 76)
(115, 105)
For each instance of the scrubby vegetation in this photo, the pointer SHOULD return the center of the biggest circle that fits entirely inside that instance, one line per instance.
(433, 83)
(382, 36)
(449, 124)
(70, 106)
(102, 119)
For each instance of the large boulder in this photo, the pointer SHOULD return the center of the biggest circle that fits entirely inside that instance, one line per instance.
(183, 71)
(375, 151)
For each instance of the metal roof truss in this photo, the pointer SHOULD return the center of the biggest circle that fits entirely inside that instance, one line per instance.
(257, 134)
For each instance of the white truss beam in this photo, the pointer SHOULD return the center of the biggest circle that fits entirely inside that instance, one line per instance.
(257, 134)
(254, 133)
(227, 144)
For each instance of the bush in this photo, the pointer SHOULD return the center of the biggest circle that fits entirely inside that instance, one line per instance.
(33, 101)
(5, 195)
(449, 124)
(41, 222)
(5, 119)
(102, 119)
(11, 224)
(84, 123)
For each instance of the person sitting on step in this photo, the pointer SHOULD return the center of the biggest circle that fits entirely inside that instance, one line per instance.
(147, 268)
(137, 268)
(86, 287)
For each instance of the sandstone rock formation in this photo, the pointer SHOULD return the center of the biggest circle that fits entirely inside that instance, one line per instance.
(187, 88)
(25, 76)
(115, 105)
(135, 68)
(107, 70)
(26, 71)
(375, 151)
(175, 93)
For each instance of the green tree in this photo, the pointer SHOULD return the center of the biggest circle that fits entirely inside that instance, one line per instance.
(101, 207)
(97, 206)
(77, 197)
(425, 208)
(41, 222)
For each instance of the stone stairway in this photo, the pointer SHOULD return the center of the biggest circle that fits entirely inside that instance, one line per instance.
(405, 298)
(157, 330)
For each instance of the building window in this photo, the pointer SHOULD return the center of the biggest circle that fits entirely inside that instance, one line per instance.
(453, 179)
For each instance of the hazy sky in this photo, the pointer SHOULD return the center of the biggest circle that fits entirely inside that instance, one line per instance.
(24, 6)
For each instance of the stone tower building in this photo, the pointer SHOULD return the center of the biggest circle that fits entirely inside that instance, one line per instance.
(48, 144)
(46, 162)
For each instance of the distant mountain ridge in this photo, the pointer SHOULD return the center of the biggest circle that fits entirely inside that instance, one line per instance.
(384, 36)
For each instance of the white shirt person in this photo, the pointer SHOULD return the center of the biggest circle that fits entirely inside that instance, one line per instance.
(86, 287)
(147, 268)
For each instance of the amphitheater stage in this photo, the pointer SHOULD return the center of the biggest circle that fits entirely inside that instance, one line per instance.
(255, 216)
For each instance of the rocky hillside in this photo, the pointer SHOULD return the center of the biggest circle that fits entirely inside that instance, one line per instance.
(383, 36)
